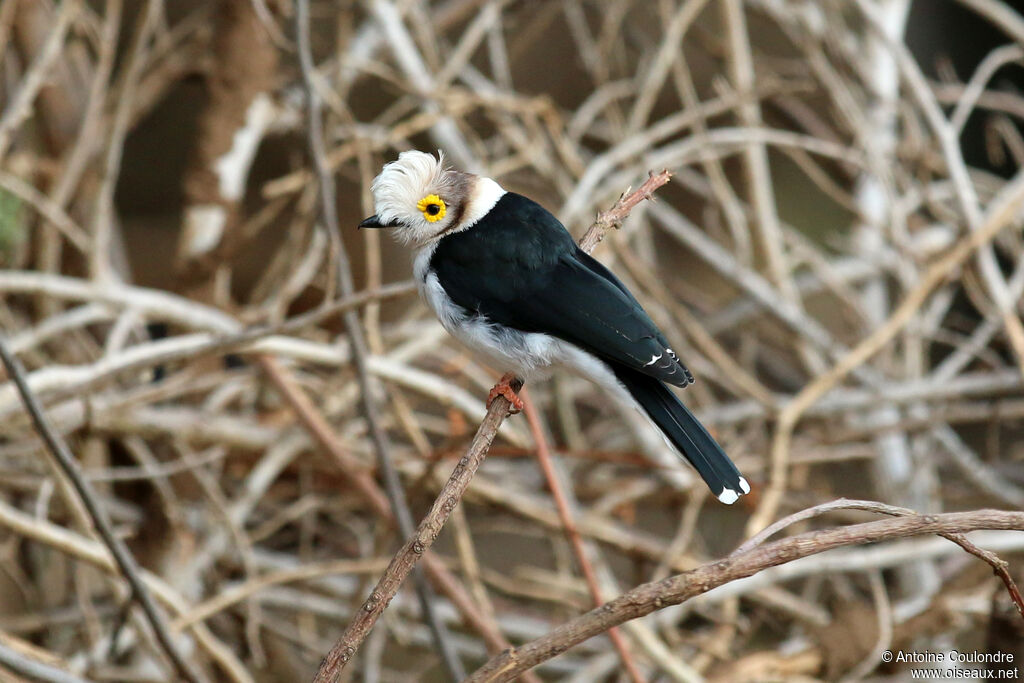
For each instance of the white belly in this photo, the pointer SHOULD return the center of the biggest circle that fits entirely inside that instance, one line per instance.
(507, 350)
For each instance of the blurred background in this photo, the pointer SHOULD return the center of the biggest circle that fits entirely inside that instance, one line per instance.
(157, 196)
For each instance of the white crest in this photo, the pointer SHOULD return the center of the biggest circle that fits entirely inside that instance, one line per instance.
(414, 176)
(404, 182)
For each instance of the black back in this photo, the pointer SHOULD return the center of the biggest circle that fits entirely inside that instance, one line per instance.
(519, 267)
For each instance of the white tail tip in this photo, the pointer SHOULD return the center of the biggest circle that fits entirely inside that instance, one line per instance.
(728, 496)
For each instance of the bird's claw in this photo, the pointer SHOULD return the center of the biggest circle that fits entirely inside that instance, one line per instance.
(504, 388)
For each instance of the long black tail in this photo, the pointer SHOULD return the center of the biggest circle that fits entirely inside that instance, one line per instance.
(686, 433)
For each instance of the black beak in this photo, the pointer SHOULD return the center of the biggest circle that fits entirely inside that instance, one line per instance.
(373, 222)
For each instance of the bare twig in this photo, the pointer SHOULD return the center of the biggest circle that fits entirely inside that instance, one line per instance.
(755, 157)
(885, 559)
(999, 566)
(21, 663)
(104, 264)
(650, 597)
(613, 217)
(53, 213)
(354, 471)
(66, 461)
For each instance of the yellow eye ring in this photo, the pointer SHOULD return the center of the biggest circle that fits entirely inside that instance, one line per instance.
(432, 207)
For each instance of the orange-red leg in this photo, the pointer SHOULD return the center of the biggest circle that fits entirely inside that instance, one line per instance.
(504, 388)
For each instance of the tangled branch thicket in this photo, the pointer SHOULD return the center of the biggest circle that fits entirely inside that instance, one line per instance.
(263, 411)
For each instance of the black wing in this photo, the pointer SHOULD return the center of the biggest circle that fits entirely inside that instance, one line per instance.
(519, 267)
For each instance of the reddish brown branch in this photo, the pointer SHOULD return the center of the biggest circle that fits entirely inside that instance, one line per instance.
(547, 465)
(1000, 568)
(344, 281)
(650, 597)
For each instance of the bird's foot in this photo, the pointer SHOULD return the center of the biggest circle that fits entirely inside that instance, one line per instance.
(504, 388)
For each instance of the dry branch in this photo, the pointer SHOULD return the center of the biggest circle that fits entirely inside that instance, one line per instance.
(650, 597)
(613, 217)
(20, 107)
(999, 566)
(125, 561)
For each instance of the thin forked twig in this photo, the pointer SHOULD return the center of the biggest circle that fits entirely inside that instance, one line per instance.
(20, 106)
(451, 493)
(613, 217)
(125, 561)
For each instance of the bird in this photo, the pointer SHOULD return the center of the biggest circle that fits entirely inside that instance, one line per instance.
(507, 279)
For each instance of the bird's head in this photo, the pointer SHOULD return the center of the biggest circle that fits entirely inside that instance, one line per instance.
(421, 199)
(418, 197)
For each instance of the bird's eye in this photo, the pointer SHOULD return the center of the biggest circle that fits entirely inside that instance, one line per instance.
(432, 207)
